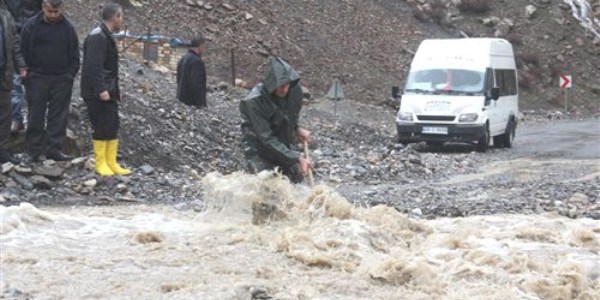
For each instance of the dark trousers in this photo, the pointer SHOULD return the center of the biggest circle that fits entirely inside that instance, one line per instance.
(255, 164)
(5, 118)
(104, 117)
(51, 93)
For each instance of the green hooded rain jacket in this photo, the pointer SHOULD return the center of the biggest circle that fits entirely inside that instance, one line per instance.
(269, 123)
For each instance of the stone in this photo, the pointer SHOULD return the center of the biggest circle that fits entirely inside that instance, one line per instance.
(146, 169)
(90, 183)
(23, 170)
(228, 7)
(491, 21)
(222, 85)
(241, 83)
(181, 206)
(23, 181)
(530, 11)
(6, 167)
(41, 182)
(306, 92)
(49, 171)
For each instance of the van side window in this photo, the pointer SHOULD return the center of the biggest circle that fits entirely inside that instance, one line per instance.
(506, 81)
(500, 81)
(510, 79)
(489, 79)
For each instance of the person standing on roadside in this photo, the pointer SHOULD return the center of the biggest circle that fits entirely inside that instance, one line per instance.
(11, 60)
(270, 116)
(21, 11)
(100, 89)
(50, 47)
(191, 75)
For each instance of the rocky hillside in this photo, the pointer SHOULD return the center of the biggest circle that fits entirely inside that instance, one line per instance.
(369, 44)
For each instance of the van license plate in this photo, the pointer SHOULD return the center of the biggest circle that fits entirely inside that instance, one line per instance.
(435, 130)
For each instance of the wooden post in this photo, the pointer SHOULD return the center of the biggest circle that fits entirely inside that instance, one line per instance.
(311, 181)
(233, 66)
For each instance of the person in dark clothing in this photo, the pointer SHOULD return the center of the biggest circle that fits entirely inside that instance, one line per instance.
(100, 89)
(270, 123)
(21, 10)
(50, 47)
(191, 75)
(10, 61)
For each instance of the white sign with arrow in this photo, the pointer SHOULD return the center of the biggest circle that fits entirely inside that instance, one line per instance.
(565, 81)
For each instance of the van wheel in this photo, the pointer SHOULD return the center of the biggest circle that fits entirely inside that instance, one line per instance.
(484, 141)
(509, 135)
(499, 141)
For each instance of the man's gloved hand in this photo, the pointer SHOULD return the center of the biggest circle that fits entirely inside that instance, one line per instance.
(305, 165)
(303, 135)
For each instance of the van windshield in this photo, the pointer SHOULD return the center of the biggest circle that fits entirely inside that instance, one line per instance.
(451, 81)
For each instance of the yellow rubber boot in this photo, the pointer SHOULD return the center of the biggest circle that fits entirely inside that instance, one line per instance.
(111, 155)
(100, 154)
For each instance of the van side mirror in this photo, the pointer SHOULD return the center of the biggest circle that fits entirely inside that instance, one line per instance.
(395, 92)
(493, 93)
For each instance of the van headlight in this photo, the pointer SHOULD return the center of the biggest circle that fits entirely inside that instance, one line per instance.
(471, 117)
(405, 116)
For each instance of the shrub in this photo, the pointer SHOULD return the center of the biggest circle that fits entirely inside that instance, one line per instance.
(475, 6)
(526, 80)
(437, 11)
(514, 39)
(529, 57)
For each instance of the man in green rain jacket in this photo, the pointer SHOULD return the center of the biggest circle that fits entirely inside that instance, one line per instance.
(270, 123)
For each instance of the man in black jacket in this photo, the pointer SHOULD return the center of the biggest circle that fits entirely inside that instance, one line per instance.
(50, 47)
(191, 75)
(100, 89)
(11, 60)
(21, 10)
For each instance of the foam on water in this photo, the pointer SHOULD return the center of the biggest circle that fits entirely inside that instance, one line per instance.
(307, 244)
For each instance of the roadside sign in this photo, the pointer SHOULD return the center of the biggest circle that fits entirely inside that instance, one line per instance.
(565, 81)
(336, 92)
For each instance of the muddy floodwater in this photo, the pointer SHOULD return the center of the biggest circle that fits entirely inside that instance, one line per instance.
(261, 237)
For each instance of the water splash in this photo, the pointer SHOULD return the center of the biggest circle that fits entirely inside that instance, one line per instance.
(308, 244)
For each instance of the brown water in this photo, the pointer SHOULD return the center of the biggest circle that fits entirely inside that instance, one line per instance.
(316, 246)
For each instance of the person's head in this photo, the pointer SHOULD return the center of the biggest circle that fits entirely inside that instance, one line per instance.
(280, 77)
(282, 90)
(112, 16)
(199, 44)
(52, 10)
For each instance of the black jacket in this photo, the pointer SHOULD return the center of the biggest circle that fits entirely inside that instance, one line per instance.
(14, 59)
(29, 35)
(269, 123)
(100, 69)
(191, 80)
(22, 10)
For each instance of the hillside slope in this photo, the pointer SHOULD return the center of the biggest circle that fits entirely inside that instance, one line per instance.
(369, 43)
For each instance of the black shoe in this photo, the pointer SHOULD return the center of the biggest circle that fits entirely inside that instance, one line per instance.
(5, 157)
(58, 156)
(30, 158)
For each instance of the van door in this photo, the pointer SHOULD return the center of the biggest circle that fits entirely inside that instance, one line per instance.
(490, 106)
(507, 82)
